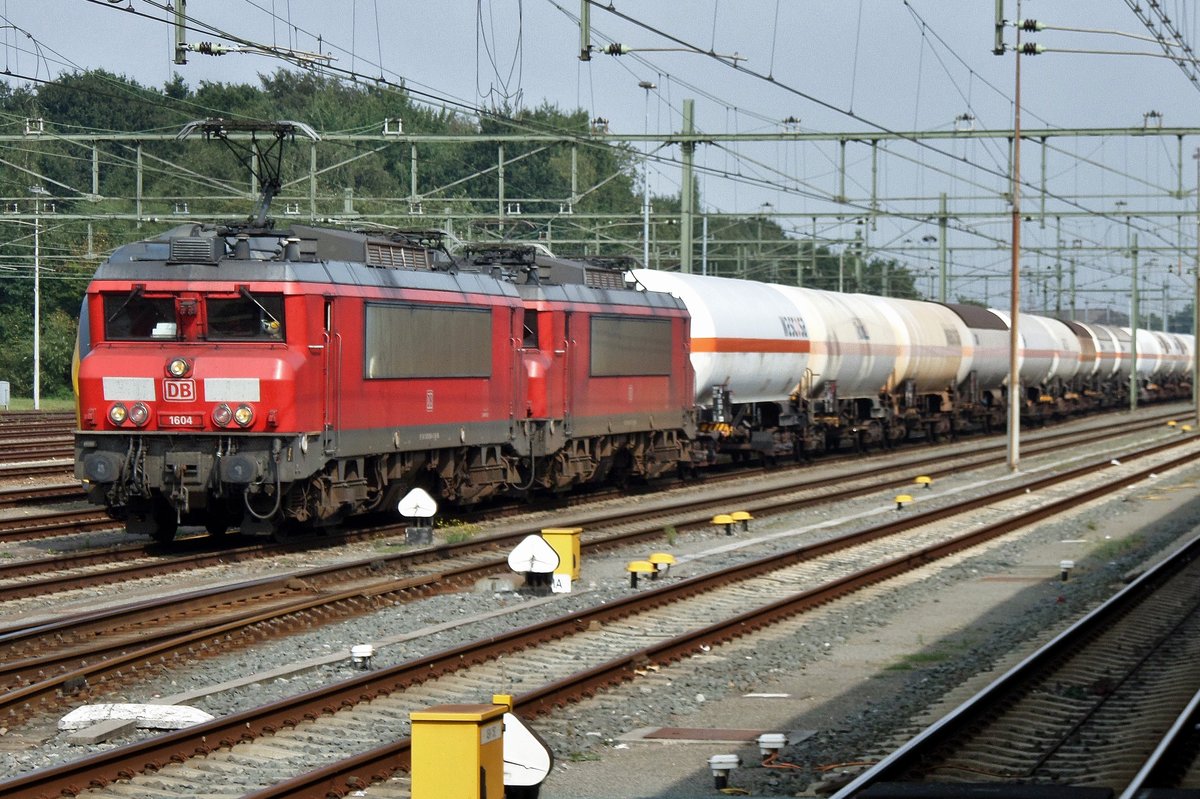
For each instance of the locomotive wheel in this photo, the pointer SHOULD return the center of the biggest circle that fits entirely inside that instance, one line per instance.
(166, 524)
(219, 517)
(217, 524)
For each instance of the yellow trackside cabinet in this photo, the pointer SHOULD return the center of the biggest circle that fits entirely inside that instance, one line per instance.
(565, 541)
(458, 752)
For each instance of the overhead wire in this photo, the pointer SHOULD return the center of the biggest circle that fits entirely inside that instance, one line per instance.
(788, 88)
(738, 111)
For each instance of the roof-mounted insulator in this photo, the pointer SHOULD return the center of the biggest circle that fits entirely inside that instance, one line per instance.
(209, 48)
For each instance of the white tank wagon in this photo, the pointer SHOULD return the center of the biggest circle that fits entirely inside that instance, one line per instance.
(1188, 343)
(1109, 350)
(771, 358)
(1164, 363)
(1175, 360)
(748, 338)
(784, 370)
(1050, 351)
(829, 369)
(854, 347)
(937, 348)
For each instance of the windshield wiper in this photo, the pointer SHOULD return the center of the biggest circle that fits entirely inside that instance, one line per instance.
(134, 293)
(245, 292)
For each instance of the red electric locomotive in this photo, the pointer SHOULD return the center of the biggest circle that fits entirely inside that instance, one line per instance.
(255, 378)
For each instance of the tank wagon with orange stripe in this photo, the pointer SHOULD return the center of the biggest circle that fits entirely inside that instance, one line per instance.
(782, 370)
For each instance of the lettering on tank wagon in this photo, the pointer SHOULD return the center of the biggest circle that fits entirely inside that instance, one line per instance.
(793, 327)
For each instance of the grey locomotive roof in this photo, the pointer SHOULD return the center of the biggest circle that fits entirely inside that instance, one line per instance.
(303, 254)
(574, 292)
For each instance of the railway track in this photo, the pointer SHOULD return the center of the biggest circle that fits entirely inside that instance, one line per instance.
(44, 448)
(745, 597)
(40, 492)
(26, 470)
(21, 421)
(40, 437)
(63, 571)
(53, 524)
(1110, 704)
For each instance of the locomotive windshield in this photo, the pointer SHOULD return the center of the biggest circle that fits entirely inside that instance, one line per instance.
(250, 317)
(134, 316)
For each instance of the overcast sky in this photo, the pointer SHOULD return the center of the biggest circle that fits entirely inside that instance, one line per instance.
(835, 66)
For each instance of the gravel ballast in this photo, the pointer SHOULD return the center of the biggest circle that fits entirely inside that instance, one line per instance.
(852, 680)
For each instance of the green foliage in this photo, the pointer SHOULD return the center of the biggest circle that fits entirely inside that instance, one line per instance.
(1181, 321)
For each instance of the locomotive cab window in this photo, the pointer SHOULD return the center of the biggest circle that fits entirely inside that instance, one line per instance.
(249, 317)
(136, 317)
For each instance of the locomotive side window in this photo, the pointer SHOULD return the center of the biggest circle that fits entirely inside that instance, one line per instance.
(136, 317)
(530, 338)
(250, 317)
(427, 341)
(628, 347)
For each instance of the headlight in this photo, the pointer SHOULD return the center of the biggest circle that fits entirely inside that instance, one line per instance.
(222, 415)
(117, 414)
(139, 414)
(179, 367)
(244, 415)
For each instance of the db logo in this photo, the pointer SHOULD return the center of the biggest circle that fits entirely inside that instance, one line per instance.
(179, 390)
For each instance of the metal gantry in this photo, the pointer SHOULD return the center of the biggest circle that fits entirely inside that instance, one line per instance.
(965, 223)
